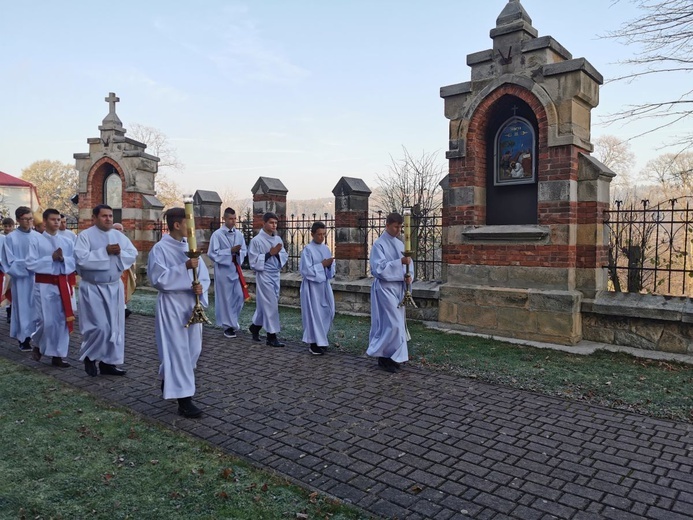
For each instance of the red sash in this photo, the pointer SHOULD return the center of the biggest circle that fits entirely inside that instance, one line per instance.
(65, 282)
(241, 280)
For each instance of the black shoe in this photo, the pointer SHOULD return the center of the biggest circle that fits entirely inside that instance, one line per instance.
(90, 367)
(162, 386)
(186, 408)
(25, 346)
(230, 333)
(255, 331)
(315, 350)
(127, 313)
(386, 364)
(9, 314)
(110, 370)
(36, 354)
(272, 341)
(57, 361)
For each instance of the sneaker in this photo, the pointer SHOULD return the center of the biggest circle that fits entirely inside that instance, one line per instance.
(25, 346)
(230, 333)
(315, 350)
(186, 408)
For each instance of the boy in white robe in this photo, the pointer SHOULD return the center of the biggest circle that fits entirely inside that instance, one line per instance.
(14, 253)
(170, 271)
(227, 250)
(317, 299)
(51, 260)
(8, 227)
(388, 336)
(67, 233)
(267, 256)
(101, 255)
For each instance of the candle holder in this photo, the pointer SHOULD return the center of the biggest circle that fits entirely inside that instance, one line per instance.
(198, 313)
(408, 299)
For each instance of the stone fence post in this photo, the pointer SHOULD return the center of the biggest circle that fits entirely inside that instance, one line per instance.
(207, 211)
(269, 195)
(351, 213)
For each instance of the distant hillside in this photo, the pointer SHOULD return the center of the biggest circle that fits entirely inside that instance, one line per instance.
(309, 206)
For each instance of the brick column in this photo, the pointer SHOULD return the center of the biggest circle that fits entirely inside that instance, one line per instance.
(269, 195)
(351, 213)
(207, 212)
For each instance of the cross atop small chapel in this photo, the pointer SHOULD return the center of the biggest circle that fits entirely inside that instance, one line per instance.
(112, 99)
(514, 109)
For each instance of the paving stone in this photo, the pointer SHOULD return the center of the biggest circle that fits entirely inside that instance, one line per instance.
(431, 446)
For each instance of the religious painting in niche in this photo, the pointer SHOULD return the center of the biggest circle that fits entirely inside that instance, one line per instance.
(113, 191)
(514, 161)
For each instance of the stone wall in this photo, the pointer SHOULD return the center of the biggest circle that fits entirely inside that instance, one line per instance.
(644, 321)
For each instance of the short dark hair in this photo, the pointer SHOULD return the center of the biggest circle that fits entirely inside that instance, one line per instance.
(317, 225)
(393, 218)
(49, 212)
(7, 221)
(21, 210)
(62, 215)
(268, 216)
(174, 215)
(229, 211)
(97, 209)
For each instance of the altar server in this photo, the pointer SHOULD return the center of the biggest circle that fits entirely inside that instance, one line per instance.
(170, 271)
(388, 336)
(267, 256)
(317, 300)
(101, 255)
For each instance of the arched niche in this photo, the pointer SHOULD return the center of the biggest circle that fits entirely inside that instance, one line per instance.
(511, 163)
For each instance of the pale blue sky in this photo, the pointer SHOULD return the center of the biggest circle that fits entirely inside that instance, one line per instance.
(303, 90)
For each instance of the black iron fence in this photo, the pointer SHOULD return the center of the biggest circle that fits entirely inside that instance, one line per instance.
(650, 247)
(427, 235)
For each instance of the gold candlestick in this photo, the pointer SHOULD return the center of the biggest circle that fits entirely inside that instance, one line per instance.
(408, 299)
(198, 313)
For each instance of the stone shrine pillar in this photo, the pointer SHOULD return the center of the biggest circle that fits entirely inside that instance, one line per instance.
(207, 213)
(351, 212)
(523, 200)
(118, 172)
(269, 195)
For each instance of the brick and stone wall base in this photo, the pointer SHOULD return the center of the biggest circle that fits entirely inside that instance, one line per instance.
(533, 314)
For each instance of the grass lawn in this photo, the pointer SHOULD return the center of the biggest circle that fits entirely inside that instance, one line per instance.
(655, 388)
(66, 455)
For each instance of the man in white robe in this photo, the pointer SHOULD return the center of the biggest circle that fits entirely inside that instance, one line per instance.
(102, 254)
(51, 259)
(170, 271)
(227, 250)
(8, 227)
(267, 256)
(67, 233)
(317, 299)
(388, 336)
(14, 254)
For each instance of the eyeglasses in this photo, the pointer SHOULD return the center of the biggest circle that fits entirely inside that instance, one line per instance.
(26, 219)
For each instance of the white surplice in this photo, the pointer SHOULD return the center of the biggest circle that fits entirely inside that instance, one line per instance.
(388, 335)
(101, 299)
(267, 286)
(14, 254)
(179, 347)
(317, 299)
(52, 335)
(228, 293)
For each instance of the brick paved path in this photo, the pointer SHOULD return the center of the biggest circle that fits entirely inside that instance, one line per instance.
(417, 444)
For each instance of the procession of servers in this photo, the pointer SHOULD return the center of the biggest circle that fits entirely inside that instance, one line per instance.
(41, 260)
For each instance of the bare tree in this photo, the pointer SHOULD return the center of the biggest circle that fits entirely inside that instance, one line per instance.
(672, 172)
(415, 182)
(411, 182)
(664, 33)
(616, 154)
(167, 190)
(55, 183)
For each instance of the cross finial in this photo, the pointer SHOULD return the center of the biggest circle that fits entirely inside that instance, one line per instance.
(514, 109)
(112, 99)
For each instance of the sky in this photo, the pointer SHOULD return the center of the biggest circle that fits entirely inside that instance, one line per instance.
(306, 91)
